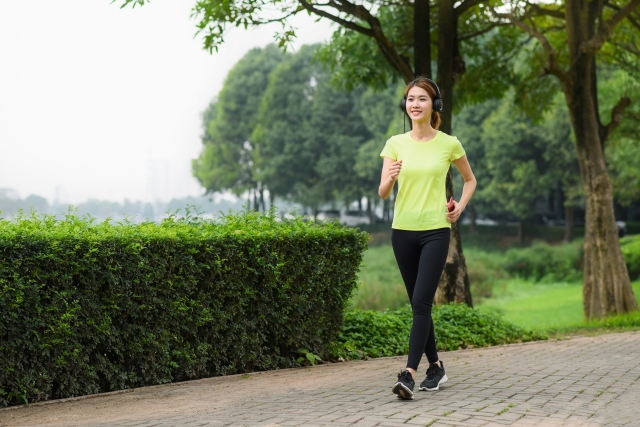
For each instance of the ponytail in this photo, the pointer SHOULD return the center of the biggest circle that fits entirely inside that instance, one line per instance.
(435, 120)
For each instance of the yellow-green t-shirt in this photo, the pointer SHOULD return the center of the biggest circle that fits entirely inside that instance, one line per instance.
(421, 199)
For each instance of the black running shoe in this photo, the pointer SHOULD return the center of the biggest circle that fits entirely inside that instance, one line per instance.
(435, 377)
(404, 387)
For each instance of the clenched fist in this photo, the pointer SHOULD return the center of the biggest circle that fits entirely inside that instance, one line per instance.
(394, 169)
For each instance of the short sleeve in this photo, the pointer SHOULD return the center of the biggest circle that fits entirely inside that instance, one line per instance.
(389, 150)
(456, 150)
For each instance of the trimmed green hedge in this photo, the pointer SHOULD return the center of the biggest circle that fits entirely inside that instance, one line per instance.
(88, 308)
(630, 246)
(386, 333)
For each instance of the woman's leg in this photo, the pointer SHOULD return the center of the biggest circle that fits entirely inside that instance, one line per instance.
(406, 248)
(430, 349)
(433, 255)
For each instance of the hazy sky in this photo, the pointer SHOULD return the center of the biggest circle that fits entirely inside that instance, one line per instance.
(102, 102)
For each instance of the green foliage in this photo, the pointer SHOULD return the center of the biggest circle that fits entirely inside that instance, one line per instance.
(628, 320)
(228, 160)
(543, 262)
(631, 251)
(310, 135)
(376, 334)
(485, 269)
(87, 308)
(514, 155)
(515, 160)
(381, 287)
(355, 59)
(622, 149)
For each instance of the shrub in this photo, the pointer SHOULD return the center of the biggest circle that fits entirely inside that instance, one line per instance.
(543, 262)
(631, 251)
(375, 334)
(87, 308)
(485, 269)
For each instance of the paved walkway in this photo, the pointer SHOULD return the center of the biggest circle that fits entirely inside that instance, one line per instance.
(584, 381)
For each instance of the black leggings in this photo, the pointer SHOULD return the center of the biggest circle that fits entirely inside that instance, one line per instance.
(421, 256)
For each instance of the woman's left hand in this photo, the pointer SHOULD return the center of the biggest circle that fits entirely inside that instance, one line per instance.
(455, 213)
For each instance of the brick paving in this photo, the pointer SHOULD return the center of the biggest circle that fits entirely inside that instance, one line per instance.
(583, 381)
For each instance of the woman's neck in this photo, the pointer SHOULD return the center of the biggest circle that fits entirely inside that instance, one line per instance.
(422, 130)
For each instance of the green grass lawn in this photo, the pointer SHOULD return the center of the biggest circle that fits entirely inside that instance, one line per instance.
(539, 306)
(542, 306)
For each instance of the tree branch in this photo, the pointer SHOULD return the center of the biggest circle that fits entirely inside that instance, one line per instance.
(537, 10)
(606, 27)
(629, 17)
(358, 11)
(481, 32)
(552, 66)
(466, 5)
(616, 118)
(282, 18)
(345, 23)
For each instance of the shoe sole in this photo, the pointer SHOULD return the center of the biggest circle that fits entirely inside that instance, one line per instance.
(437, 387)
(402, 391)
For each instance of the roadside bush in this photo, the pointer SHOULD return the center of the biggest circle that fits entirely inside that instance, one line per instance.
(368, 334)
(87, 308)
(631, 251)
(542, 262)
(485, 269)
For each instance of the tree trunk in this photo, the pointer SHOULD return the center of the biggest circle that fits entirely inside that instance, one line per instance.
(454, 283)
(255, 200)
(370, 210)
(262, 205)
(472, 219)
(421, 38)
(569, 223)
(607, 288)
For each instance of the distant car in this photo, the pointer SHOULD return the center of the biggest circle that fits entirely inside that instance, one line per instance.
(328, 215)
(354, 218)
(622, 228)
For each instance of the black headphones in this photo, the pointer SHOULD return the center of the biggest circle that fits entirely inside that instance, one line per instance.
(437, 103)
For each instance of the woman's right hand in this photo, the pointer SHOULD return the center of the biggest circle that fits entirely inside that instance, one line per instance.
(394, 170)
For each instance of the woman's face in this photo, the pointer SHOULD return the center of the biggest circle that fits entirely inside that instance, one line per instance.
(419, 105)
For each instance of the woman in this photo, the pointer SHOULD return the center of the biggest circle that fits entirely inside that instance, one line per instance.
(419, 160)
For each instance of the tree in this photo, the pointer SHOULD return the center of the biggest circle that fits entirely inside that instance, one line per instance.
(514, 151)
(569, 36)
(228, 160)
(309, 134)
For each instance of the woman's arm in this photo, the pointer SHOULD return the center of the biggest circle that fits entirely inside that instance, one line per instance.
(467, 190)
(390, 172)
